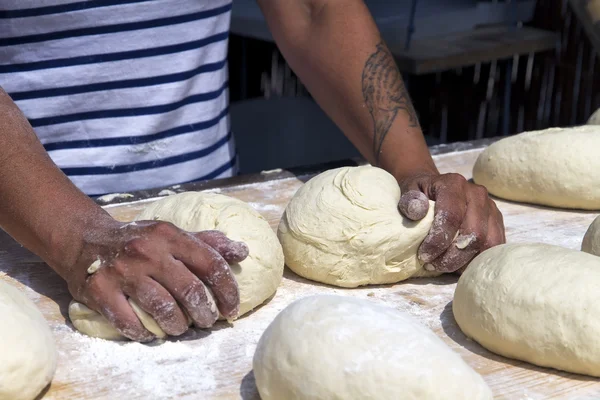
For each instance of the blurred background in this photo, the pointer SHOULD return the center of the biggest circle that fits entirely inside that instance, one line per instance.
(474, 69)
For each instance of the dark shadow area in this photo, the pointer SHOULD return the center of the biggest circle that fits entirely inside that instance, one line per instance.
(248, 390)
(446, 279)
(43, 392)
(453, 331)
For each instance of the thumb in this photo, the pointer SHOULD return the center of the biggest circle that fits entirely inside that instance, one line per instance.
(414, 205)
(231, 251)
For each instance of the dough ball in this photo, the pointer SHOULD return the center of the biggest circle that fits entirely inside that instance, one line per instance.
(534, 302)
(591, 240)
(595, 118)
(334, 347)
(91, 323)
(555, 167)
(343, 228)
(27, 351)
(258, 276)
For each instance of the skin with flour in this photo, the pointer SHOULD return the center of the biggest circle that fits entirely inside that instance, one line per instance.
(258, 275)
(335, 48)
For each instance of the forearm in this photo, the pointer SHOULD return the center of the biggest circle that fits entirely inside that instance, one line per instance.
(39, 206)
(335, 48)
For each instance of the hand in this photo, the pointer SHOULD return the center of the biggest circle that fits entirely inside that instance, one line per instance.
(164, 269)
(466, 220)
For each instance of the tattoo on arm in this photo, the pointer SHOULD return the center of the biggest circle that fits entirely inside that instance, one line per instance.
(384, 94)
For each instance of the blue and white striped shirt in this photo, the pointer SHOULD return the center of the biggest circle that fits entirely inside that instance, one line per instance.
(124, 95)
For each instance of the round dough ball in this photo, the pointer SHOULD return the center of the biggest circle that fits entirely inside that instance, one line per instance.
(534, 302)
(595, 118)
(27, 352)
(591, 240)
(343, 228)
(334, 347)
(258, 276)
(555, 167)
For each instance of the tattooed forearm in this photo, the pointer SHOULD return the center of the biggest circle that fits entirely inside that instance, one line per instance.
(384, 94)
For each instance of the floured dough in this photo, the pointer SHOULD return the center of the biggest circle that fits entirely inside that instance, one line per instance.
(258, 276)
(88, 321)
(343, 228)
(334, 347)
(534, 302)
(555, 167)
(591, 240)
(595, 118)
(27, 351)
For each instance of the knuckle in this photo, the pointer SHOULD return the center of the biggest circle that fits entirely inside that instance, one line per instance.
(455, 178)
(165, 229)
(480, 191)
(135, 247)
(166, 310)
(194, 293)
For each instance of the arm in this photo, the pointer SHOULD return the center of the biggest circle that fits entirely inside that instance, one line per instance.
(336, 50)
(44, 211)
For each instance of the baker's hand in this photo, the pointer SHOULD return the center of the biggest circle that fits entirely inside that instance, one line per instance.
(466, 220)
(163, 269)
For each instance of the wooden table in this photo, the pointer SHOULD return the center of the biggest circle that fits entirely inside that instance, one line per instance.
(216, 364)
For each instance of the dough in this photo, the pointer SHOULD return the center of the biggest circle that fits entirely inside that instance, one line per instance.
(343, 228)
(27, 351)
(534, 302)
(88, 321)
(591, 240)
(258, 276)
(334, 347)
(554, 167)
(595, 118)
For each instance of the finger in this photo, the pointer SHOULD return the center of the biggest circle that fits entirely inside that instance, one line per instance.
(231, 251)
(450, 209)
(496, 234)
(414, 205)
(208, 265)
(113, 305)
(190, 292)
(471, 238)
(154, 299)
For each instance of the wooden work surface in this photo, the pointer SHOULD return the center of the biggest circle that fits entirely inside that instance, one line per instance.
(216, 364)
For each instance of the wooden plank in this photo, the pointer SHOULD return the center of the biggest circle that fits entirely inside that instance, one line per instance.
(217, 363)
(588, 13)
(469, 48)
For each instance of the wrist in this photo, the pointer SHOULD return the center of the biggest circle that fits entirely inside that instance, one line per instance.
(402, 173)
(70, 247)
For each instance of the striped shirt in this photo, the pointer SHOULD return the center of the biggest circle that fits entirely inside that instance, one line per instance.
(124, 95)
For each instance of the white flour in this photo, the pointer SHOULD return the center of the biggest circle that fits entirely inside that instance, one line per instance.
(172, 369)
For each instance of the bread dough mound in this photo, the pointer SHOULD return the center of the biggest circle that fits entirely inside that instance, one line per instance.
(534, 302)
(27, 351)
(258, 276)
(335, 347)
(88, 321)
(591, 240)
(343, 228)
(595, 118)
(554, 167)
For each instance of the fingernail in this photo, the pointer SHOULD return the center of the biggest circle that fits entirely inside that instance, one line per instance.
(429, 267)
